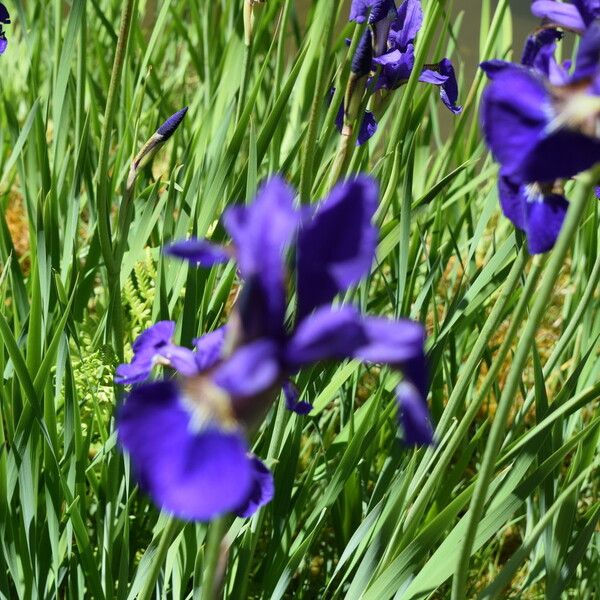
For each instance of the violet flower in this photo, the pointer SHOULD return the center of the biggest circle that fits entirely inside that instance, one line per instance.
(576, 16)
(4, 20)
(539, 121)
(395, 57)
(202, 419)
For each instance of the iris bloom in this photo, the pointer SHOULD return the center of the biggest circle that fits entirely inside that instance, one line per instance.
(540, 120)
(187, 437)
(4, 20)
(392, 34)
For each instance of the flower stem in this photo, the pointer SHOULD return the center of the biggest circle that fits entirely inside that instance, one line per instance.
(306, 179)
(210, 581)
(574, 216)
(103, 196)
(171, 529)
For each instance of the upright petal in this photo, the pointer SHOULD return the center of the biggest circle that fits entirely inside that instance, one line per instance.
(515, 112)
(209, 348)
(262, 233)
(405, 28)
(194, 475)
(539, 49)
(337, 248)
(559, 13)
(376, 10)
(261, 491)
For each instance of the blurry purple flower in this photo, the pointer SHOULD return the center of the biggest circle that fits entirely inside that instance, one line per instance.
(576, 16)
(227, 386)
(539, 122)
(4, 20)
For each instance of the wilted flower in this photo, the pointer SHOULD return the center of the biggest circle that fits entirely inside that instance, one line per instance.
(540, 122)
(154, 144)
(4, 20)
(391, 39)
(241, 369)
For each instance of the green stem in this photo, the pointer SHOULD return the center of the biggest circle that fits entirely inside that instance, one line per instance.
(103, 197)
(210, 583)
(171, 529)
(306, 179)
(574, 216)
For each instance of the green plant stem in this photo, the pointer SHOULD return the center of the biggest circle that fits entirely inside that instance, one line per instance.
(171, 529)
(210, 584)
(306, 178)
(555, 264)
(103, 197)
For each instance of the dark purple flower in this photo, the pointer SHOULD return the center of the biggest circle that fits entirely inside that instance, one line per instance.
(576, 16)
(539, 122)
(376, 10)
(395, 57)
(154, 346)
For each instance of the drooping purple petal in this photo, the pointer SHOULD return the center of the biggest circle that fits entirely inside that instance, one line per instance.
(261, 491)
(209, 348)
(3, 43)
(559, 155)
(544, 222)
(292, 399)
(368, 126)
(199, 252)
(192, 474)
(336, 249)
(513, 201)
(413, 415)
(4, 15)
(444, 76)
(559, 13)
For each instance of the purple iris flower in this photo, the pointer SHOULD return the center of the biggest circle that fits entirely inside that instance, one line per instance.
(576, 15)
(396, 57)
(539, 121)
(187, 437)
(4, 20)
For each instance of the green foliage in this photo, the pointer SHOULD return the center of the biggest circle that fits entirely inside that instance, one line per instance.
(356, 514)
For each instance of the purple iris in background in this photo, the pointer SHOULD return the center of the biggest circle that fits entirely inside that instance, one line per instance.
(4, 20)
(202, 418)
(540, 119)
(392, 33)
(577, 15)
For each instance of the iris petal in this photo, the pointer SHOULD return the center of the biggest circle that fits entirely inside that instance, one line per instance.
(192, 475)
